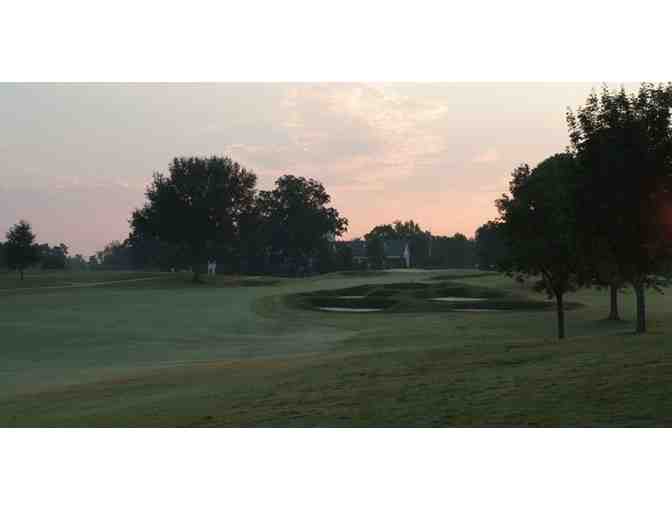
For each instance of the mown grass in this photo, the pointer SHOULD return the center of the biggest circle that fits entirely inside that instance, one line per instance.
(167, 353)
(36, 279)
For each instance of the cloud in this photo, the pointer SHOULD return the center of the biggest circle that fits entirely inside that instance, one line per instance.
(488, 156)
(350, 135)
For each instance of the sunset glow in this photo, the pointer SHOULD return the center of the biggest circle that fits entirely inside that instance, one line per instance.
(76, 158)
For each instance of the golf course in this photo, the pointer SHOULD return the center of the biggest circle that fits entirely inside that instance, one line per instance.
(397, 348)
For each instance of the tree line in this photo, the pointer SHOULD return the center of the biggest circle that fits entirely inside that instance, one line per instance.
(599, 214)
(426, 250)
(20, 252)
(210, 209)
(207, 209)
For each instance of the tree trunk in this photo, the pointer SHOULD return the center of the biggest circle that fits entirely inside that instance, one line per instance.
(561, 315)
(613, 311)
(196, 252)
(641, 307)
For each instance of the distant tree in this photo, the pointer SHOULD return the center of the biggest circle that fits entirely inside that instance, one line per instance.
(455, 251)
(410, 231)
(344, 256)
(385, 232)
(375, 251)
(326, 260)
(539, 224)
(76, 262)
(623, 143)
(3, 255)
(199, 203)
(297, 219)
(55, 257)
(115, 255)
(490, 245)
(22, 252)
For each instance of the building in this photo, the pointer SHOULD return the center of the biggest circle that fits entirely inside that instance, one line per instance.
(397, 253)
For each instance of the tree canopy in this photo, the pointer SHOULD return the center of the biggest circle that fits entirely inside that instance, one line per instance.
(21, 250)
(491, 248)
(197, 204)
(296, 217)
(53, 257)
(539, 223)
(418, 240)
(623, 144)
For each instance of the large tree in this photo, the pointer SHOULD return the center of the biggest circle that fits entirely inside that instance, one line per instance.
(155, 254)
(198, 205)
(297, 218)
(254, 243)
(538, 221)
(623, 143)
(22, 252)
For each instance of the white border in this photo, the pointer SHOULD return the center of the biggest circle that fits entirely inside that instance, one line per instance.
(516, 40)
(335, 468)
(338, 41)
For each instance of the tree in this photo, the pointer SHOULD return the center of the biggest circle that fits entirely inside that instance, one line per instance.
(623, 143)
(455, 251)
(77, 262)
(410, 231)
(375, 251)
(254, 242)
(491, 247)
(22, 252)
(538, 221)
(3, 255)
(297, 220)
(344, 256)
(603, 270)
(197, 205)
(152, 253)
(55, 257)
(115, 255)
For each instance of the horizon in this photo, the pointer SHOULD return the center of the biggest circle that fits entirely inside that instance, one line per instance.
(78, 157)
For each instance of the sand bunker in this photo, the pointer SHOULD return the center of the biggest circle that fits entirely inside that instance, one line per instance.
(339, 309)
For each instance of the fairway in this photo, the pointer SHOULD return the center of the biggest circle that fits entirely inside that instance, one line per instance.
(153, 349)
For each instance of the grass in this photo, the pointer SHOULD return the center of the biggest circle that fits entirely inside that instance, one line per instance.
(39, 279)
(239, 352)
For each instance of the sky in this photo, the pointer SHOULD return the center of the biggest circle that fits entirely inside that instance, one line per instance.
(75, 158)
